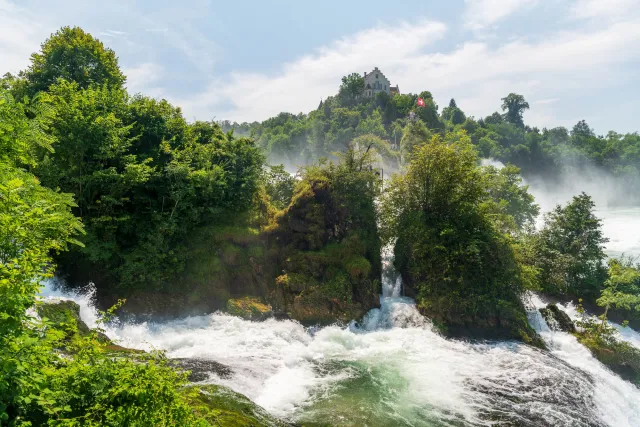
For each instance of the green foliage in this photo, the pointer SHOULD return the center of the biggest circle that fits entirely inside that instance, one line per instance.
(352, 87)
(372, 125)
(514, 105)
(622, 288)
(570, 250)
(51, 374)
(603, 341)
(73, 55)
(328, 247)
(415, 134)
(222, 407)
(464, 271)
(279, 185)
(34, 221)
(143, 179)
(48, 381)
(21, 136)
(511, 196)
(382, 151)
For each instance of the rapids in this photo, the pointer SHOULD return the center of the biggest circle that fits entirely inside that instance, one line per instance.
(393, 369)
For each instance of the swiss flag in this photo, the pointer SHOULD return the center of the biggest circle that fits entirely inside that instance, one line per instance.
(420, 102)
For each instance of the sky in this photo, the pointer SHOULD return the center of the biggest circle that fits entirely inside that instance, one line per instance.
(249, 60)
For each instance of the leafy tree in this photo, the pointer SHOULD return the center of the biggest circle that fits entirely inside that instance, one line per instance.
(494, 119)
(352, 87)
(570, 250)
(458, 117)
(20, 137)
(382, 152)
(514, 105)
(621, 289)
(415, 134)
(143, 179)
(505, 187)
(73, 55)
(463, 270)
(453, 114)
(280, 185)
(372, 125)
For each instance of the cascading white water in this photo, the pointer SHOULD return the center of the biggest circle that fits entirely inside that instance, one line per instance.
(392, 368)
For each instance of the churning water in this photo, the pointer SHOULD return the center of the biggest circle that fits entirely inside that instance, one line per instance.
(393, 369)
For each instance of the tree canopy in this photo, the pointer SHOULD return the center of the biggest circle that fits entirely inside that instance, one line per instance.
(76, 56)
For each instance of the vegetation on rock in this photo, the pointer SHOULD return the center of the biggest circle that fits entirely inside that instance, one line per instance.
(570, 250)
(249, 308)
(185, 218)
(222, 407)
(557, 319)
(453, 256)
(328, 247)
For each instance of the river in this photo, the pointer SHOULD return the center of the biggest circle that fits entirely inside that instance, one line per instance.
(393, 369)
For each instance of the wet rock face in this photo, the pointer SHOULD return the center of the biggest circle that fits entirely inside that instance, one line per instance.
(249, 308)
(557, 319)
(220, 406)
(62, 313)
(201, 369)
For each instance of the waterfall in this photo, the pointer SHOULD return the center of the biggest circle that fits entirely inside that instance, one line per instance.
(393, 368)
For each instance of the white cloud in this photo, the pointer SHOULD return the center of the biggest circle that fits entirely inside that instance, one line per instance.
(305, 81)
(142, 77)
(480, 14)
(546, 101)
(20, 35)
(603, 8)
(475, 73)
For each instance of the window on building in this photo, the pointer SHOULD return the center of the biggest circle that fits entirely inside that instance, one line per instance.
(376, 76)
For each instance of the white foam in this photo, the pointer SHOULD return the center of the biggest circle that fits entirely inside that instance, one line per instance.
(393, 368)
(618, 401)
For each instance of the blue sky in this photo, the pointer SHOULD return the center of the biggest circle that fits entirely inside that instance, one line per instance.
(249, 60)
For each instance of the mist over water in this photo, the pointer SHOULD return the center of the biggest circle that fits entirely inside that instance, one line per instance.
(616, 206)
(393, 369)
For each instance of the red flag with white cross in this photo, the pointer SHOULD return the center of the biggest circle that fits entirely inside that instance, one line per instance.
(420, 102)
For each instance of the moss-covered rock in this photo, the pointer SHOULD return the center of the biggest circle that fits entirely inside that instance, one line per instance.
(619, 356)
(328, 249)
(223, 262)
(250, 308)
(557, 319)
(64, 315)
(201, 369)
(318, 260)
(222, 407)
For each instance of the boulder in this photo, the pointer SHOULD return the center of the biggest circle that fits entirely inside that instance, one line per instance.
(249, 308)
(200, 369)
(557, 319)
(220, 406)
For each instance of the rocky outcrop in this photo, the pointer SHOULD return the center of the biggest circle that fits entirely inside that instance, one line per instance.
(557, 319)
(249, 308)
(202, 369)
(328, 269)
(63, 314)
(223, 263)
(619, 356)
(220, 406)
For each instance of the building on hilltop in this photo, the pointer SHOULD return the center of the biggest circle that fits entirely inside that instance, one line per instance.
(375, 82)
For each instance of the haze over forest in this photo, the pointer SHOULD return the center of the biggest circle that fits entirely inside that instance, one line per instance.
(434, 240)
